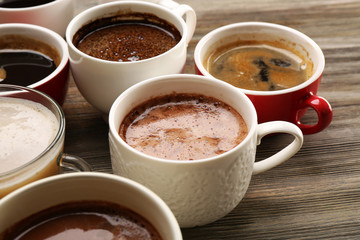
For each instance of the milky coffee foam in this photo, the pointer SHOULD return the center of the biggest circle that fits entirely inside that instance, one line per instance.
(26, 130)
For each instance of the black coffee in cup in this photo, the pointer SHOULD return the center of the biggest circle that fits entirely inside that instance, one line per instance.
(24, 60)
(22, 3)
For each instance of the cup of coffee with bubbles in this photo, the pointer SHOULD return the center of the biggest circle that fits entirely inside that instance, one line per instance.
(277, 67)
(35, 57)
(86, 206)
(115, 45)
(192, 140)
(52, 14)
(32, 132)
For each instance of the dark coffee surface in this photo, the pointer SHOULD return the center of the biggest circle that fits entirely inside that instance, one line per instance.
(23, 3)
(24, 67)
(24, 60)
(259, 65)
(83, 221)
(130, 37)
(183, 127)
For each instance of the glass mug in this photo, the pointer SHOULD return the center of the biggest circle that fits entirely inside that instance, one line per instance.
(48, 162)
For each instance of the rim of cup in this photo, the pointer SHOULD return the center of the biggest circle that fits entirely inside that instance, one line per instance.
(318, 72)
(250, 117)
(108, 10)
(21, 9)
(42, 34)
(58, 135)
(84, 176)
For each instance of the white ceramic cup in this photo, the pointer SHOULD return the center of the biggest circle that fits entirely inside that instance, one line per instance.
(75, 187)
(198, 191)
(54, 15)
(101, 81)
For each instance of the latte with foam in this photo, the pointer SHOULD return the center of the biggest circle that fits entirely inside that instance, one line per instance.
(26, 130)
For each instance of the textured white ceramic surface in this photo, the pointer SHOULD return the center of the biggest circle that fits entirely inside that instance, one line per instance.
(101, 81)
(200, 191)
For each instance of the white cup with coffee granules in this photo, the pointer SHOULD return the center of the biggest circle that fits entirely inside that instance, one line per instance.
(172, 117)
(115, 45)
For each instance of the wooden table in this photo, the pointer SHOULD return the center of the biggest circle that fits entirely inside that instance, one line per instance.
(314, 195)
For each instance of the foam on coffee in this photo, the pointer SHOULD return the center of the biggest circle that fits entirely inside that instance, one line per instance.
(183, 126)
(26, 130)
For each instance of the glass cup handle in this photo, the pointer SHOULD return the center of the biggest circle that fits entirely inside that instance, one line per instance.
(323, 110)
(287, 152)
(74, 163)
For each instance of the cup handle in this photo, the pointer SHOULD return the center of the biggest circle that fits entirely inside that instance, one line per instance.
(73, 163)
(181, 10)
(190, 19)
(287, 152)
(323, 110)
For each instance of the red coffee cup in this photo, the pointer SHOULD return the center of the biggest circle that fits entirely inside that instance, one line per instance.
(56, 83)
(287, 104)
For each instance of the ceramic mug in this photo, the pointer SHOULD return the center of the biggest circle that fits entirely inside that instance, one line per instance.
(54, 15)
(78, 187)
(197, 191)
(101, 81)
(288, 104)
(48, 162)
(55, 84)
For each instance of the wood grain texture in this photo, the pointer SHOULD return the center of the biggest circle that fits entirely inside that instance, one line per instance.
(315, 194)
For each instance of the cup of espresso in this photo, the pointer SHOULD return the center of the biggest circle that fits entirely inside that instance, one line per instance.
(86, 206)
(192, 140)
(32, 132)
(51, 14)
(34, 57)
(115, 45)
(277, 67)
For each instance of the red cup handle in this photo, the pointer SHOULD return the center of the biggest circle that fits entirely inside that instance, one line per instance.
(323, 110)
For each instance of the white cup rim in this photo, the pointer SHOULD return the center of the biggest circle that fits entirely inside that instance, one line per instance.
(316, 75)
(69, 35)
(83, 176)
(251, 113)
(24, 28)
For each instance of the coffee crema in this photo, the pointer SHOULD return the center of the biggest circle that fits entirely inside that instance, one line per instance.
(127, 37)
(27, 128)
(259, 65)
(24, 60)
(183, 127)
(84, 220)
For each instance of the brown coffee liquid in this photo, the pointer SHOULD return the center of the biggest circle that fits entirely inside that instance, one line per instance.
(83, 221)
(183, 127)
(261, 66)
(22, 3)
(127, 38)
